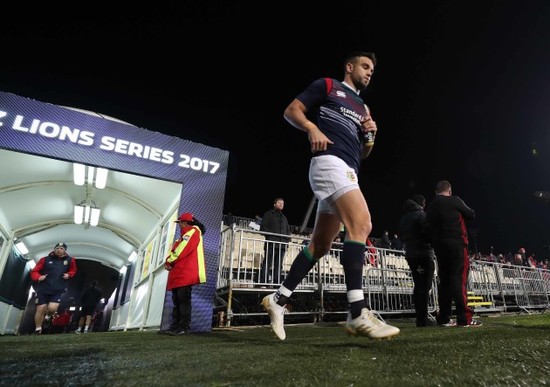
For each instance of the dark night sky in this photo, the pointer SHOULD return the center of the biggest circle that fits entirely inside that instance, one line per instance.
(461, 92)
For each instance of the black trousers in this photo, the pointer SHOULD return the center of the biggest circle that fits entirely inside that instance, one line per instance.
(181, 311)
(453, 265)
(272, 265)
(422, 270)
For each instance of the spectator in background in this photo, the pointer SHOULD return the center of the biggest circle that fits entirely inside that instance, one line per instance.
(229, 219)
(518, 260)
(509, 257)
(371, 254)
(274, 221)
(418, 253)
(447, 216)
(385, 241)
(523, 256)
(532, 260)
(337, 243)
(492, 256)
(88, 302)
(396, 243)
(49, 278)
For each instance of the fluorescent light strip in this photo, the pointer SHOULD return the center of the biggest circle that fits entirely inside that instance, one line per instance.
(101, 178)
(22, 248)
(132, 256)
(94, 217)
(87, 214)
(79, 171)
(91, 175)
(78, 214)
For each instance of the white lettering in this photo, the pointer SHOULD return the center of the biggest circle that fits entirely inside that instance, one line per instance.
(49, 129)
(53, 130)
(121, 146)
(358, 118)
(107, 143)
(111, 144)
(198, 164)
(138, 150)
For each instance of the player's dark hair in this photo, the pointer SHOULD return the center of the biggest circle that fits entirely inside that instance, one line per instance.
(353, 56)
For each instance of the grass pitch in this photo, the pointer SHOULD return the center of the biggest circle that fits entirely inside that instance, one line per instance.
(510, 350)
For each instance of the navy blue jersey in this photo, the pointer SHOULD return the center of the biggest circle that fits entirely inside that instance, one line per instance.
(340, 111)
(54, 267)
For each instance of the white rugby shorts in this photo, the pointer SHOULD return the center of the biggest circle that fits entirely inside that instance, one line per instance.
(330, 177)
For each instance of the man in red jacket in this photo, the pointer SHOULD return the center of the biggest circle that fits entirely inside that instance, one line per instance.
(49, 278)
(447, 215)
(186, 267)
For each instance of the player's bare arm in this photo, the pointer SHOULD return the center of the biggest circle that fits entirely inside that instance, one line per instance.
(295, 114)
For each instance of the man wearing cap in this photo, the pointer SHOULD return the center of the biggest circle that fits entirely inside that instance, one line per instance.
(186, 267)
(49, 278)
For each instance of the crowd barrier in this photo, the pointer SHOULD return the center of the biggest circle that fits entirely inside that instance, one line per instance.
(387, 281)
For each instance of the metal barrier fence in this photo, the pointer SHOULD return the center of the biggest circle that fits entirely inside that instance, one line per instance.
(510, 287)
(387, 280)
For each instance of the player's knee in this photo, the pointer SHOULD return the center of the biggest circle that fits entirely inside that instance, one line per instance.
(366, 226)
(360, 230)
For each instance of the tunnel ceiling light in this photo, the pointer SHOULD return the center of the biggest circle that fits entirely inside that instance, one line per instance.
(20, 246)
(79, 171)
(87, 214)
(94, 217)
(101, 178)
(78, 214)
(91, 175)
(132, 256)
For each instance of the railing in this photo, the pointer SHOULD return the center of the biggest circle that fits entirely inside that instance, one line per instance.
(387, 280)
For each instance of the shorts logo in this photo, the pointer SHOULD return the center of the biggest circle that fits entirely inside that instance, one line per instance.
(351, 176)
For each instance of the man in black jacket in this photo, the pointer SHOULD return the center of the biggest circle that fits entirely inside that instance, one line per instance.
(89, 299)
(274, 221)
(447, 216)
(418, 253)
